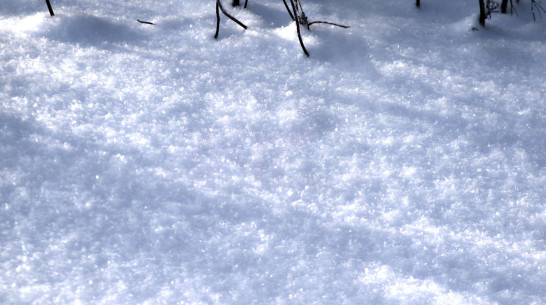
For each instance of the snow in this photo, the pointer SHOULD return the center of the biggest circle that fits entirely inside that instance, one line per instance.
(401, 163)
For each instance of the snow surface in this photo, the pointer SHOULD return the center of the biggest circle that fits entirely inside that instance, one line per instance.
(402, 163)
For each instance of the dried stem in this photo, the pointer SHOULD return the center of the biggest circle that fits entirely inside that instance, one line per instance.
(219, 8)
(298, 27)
(49, 8)
(330, 23)
(145, 22)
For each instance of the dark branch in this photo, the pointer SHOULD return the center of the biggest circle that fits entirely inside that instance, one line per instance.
(289, 11)
(219, 6)
(231, 17)
(217, 19)
(330, 23)
(483, 15)
(49, 8)
(540, 9)
(145, 22)
(297, 18)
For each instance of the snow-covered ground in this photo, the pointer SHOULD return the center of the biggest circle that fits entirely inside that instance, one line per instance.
(402, 163)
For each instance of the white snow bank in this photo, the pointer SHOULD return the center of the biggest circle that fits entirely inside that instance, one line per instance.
(402, 163)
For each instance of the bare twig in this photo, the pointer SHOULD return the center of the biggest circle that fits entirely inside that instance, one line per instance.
(536, 4)
(513, 8)
(221, 8)
(330, 23)
(49, 8)
(289, 11)
(294, 9)
(145, 22)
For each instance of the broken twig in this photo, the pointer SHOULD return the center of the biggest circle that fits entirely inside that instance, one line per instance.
(145, 22)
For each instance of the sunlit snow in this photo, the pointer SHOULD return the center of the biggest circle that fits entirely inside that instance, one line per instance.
(403, 162)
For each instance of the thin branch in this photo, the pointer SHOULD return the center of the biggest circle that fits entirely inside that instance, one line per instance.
(219, 6)
(330, 23)
(217, 19)
(298, 28)
(289, 12)
(513, 8)
(539, 7)
(145, 22)
(49, 8)
(229, 16)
